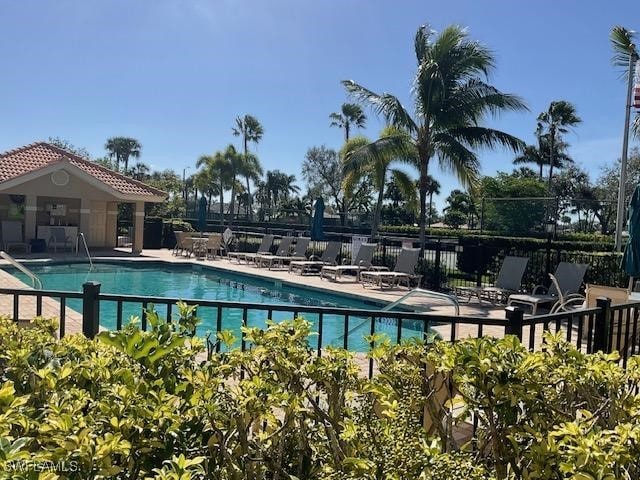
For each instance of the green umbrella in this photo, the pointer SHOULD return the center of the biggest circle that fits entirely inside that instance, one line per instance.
(202, 214)
(631, 259)
(317, 221)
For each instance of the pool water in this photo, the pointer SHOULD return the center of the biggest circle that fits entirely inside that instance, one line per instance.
(197, 282)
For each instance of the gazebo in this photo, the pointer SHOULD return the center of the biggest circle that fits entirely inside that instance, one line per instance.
(43, 187)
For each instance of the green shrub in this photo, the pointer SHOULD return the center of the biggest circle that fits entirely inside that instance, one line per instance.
(147, 405)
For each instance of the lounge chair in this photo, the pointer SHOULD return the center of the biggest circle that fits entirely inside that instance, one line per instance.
(12, 236)
(565, 284)
(403, 271)
(508, 281)
(329, 257)
(299, 253)
(362, 262)
(264, 247)
(284, 248)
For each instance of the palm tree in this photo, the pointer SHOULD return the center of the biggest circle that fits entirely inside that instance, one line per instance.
(625, 53)
(139, 171)
(559, 118)
(350, 114)
(362, 158)
(279, 184)
(249, 128)
(121, 149)
(234, 161)
(433, 188)
(219, 171)
(250, 169)
(541, 154)
(451, 98)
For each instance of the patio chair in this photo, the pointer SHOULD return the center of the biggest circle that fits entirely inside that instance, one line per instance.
(314, 264)
(12, 236)
(565, 284)
(265, 246)
(179, 236)
(58, 238)
(284, 248)
(362, 262)
(508, 281)
(214, 245)
(227, 240)
(403, 271)
(299, 253)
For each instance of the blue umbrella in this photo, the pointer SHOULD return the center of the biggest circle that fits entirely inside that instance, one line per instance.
(631, 259)
(202, 214)
(317, 221)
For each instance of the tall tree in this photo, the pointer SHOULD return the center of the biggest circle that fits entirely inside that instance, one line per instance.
(540, 155)
(433, 188)
(234, 161)
(140, 171)
(362, 158)
(219, 172)
(250, 169)
(350, 114)
(121, 149)
(558, 119)
(451, 99)
(250, 130)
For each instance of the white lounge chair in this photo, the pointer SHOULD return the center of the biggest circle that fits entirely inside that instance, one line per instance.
(362, 262)
(508, 281)
(12, 236)
(329, 257)
(565, 284)
(265, 246)
(403, 271)
(299, 253)
(284, 248)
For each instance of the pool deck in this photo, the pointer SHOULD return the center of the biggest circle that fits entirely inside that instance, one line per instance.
(346, 286)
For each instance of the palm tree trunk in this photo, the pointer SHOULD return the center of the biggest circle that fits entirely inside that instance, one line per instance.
(232, 202)
(346, 132)
(541, 165)
(249, 211)
(430, 208)
(551, 147)
(424, 179)
(376, 215)
(222, 205)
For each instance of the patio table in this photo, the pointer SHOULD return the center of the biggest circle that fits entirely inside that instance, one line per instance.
(199, 246)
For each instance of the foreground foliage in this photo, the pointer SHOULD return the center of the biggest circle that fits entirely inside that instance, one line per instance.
(135, 404)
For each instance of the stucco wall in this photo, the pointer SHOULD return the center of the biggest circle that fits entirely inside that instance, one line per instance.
(86, 207)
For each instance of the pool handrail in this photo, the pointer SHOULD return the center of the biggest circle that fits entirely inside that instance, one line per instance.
(37, 284)
(427, 293)
(86, 248)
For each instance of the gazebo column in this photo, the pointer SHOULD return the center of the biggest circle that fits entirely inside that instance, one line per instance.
(30, 211)
(111, 225)
(85, 218)
(138, 227)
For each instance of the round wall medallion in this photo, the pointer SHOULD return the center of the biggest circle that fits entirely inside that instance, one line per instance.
(60, 178)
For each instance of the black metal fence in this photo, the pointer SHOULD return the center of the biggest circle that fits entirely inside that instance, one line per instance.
(603, 328)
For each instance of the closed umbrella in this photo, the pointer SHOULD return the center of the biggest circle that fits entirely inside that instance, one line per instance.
(316, 222)
(631, 258)
(202, 214)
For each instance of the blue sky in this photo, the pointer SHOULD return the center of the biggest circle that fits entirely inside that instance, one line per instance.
(175, 73)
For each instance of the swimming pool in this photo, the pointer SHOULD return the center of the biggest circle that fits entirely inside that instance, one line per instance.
(201, 282)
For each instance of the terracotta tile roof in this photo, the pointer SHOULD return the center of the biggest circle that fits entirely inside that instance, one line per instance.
(36, 156)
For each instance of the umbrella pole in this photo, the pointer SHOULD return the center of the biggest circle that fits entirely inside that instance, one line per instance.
(630, 284)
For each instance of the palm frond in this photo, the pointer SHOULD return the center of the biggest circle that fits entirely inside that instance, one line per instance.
(483, 137)
(635, 127)
(456, 158)
(623, 43)
(386, 105)
(407, 187)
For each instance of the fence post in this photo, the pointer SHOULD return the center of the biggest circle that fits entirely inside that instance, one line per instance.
(514, 316)
(90, 309)
(601, 327)
(384, 250)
